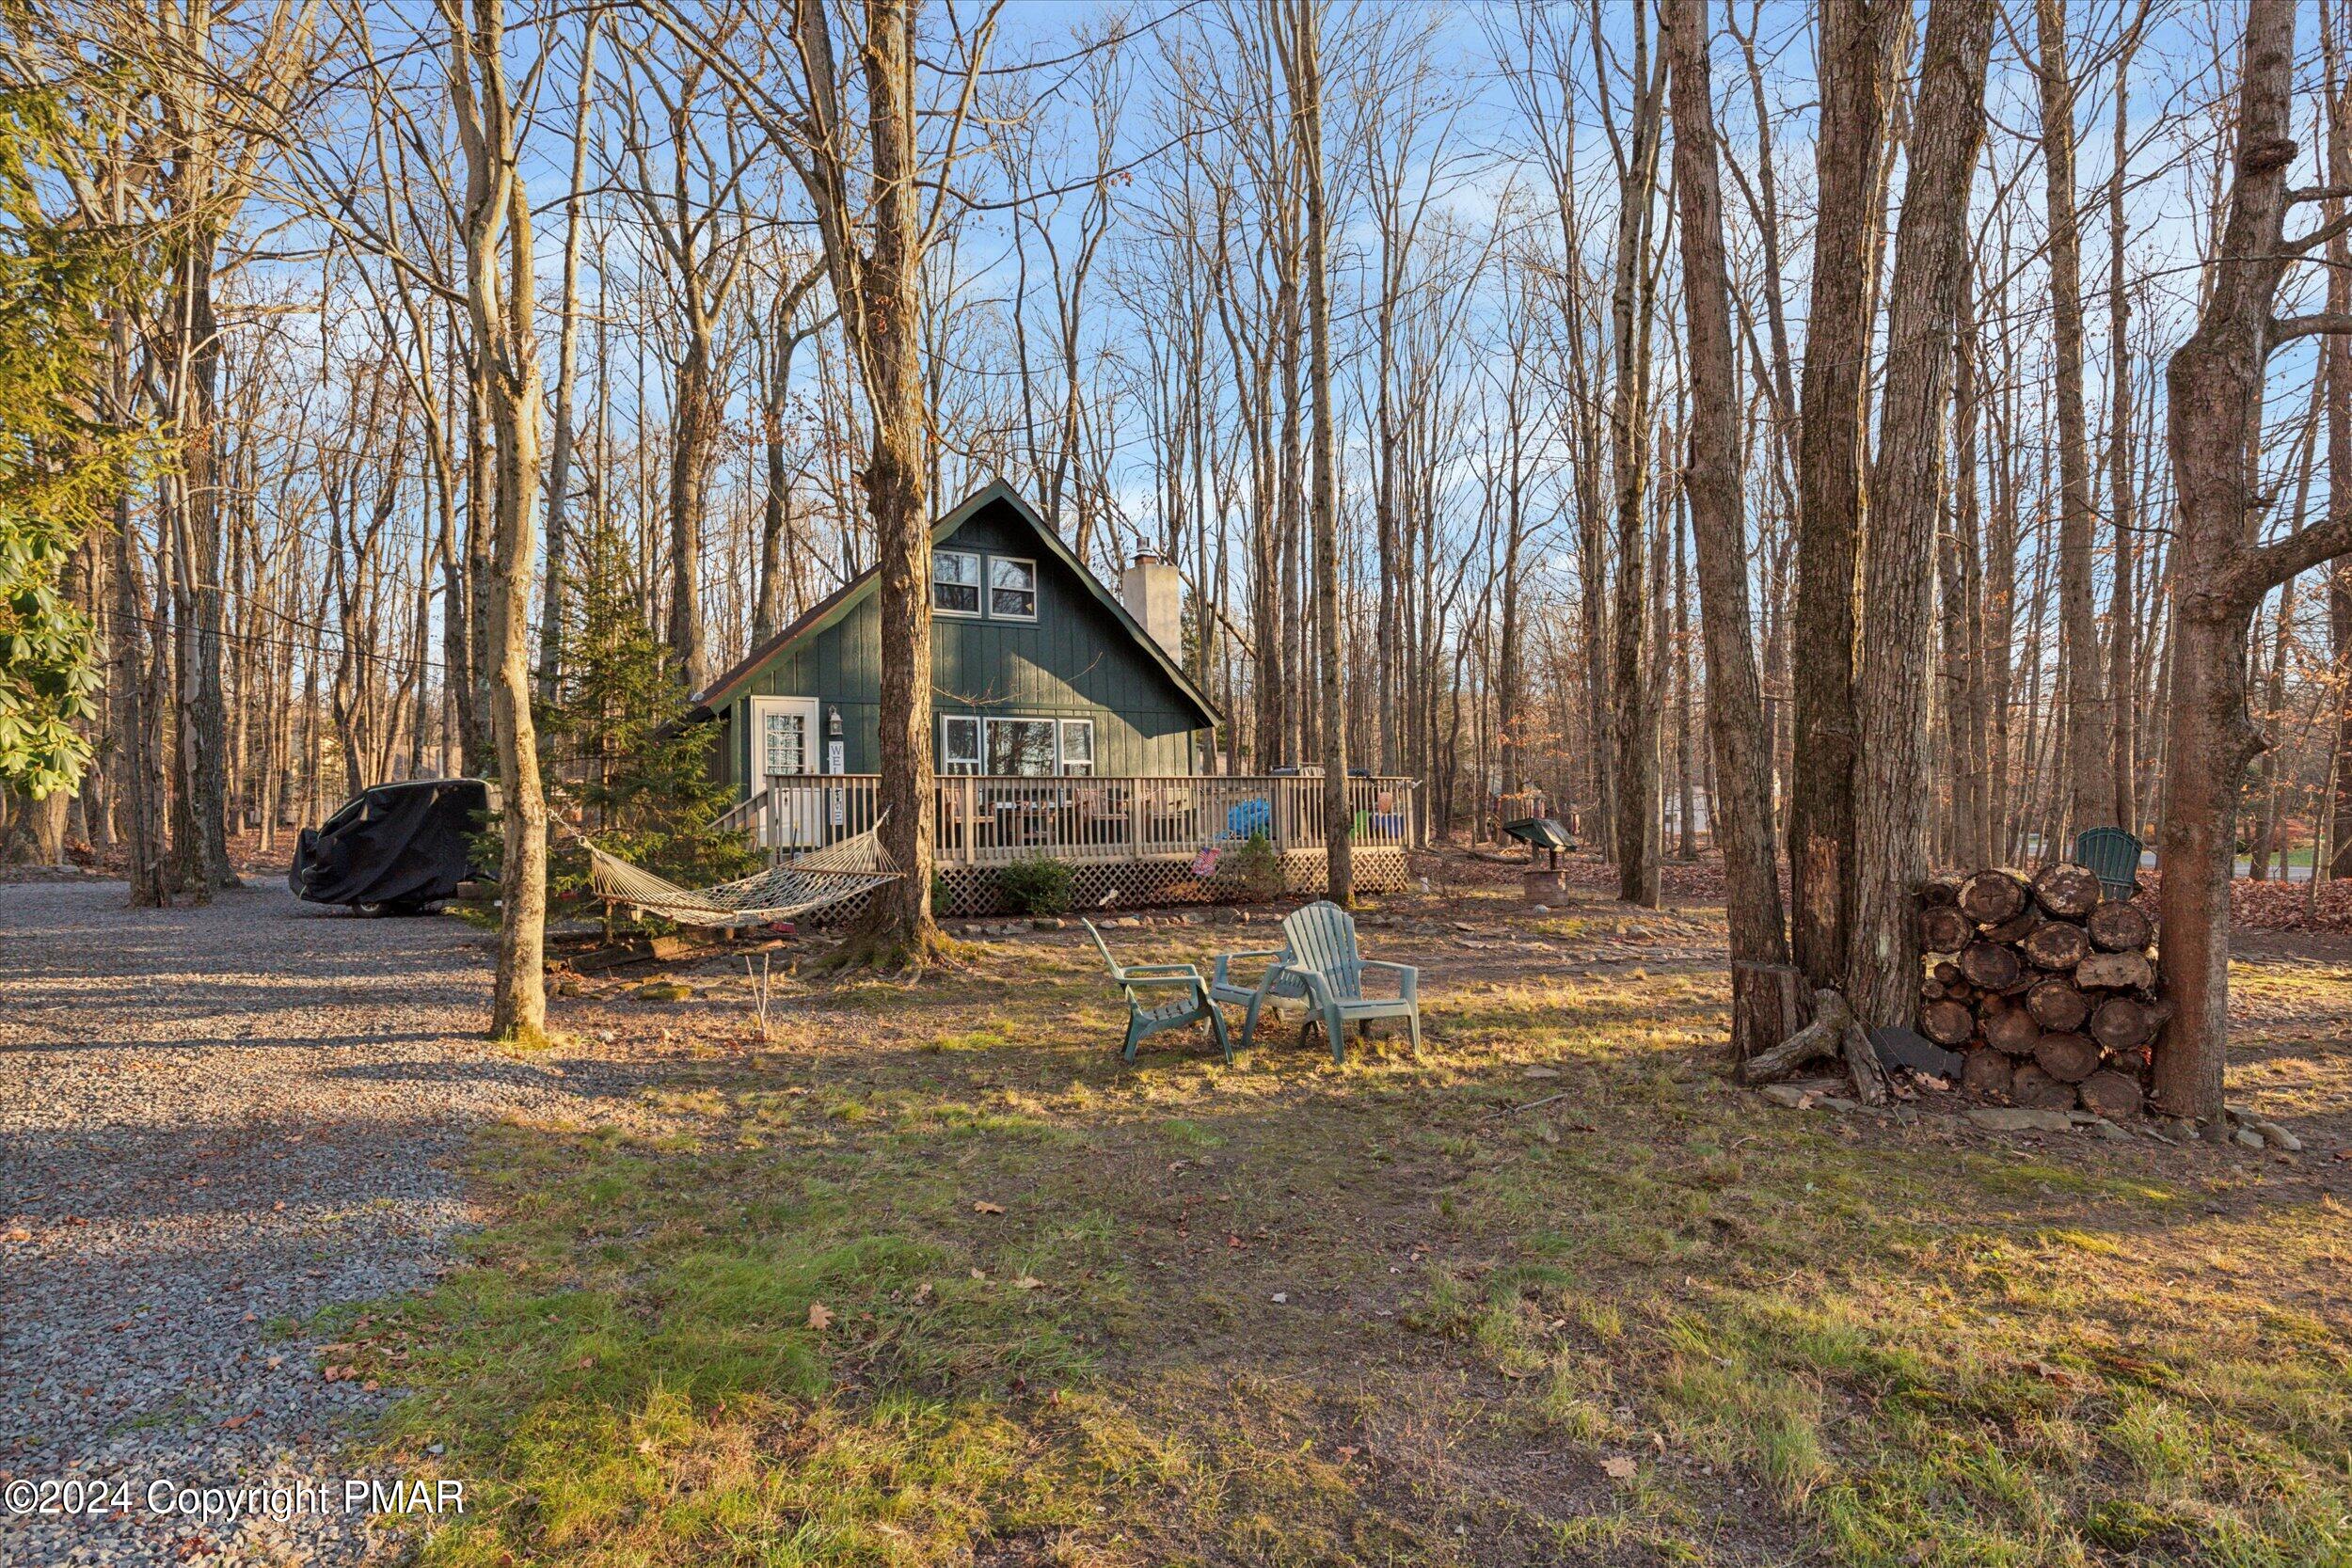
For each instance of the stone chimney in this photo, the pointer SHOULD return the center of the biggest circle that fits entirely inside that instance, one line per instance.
(1154, 592)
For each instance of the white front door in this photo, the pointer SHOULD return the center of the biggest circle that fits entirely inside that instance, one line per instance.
(783, 753)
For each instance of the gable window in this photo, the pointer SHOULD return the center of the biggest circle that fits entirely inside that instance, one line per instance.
(1077, 747)
(959, 745)
(1021, 748)
(955, 582)
(1012, 588)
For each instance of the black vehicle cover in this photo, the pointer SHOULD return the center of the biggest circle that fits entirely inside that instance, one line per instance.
(394, 843)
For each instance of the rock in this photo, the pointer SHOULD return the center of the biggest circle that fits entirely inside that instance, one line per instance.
(1125, 923)
(664, 990)
(2272, 1134)
(1788, 1095)
(1539, 908)
(2110, 1131)
(2246, 1137)
(1048, 922)
(2018, 1118)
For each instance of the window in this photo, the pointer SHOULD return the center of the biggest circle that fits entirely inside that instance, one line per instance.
(1077, 747)
(784, 742)
(955, 582)
(1021, 748)
(1012, 588)
(959, 745)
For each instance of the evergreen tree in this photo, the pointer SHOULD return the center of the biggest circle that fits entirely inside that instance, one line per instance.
(60, 467)
(642, 781)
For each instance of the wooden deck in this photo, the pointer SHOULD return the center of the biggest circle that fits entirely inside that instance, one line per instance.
(992, 821)
(1133, 841)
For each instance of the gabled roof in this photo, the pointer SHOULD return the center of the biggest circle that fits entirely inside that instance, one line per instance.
(830, 609)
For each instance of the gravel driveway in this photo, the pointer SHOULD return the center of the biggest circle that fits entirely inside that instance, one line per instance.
(212, 1120)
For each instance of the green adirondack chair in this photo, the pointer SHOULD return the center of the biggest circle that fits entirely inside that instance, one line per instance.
(2113, 856)
(1320, 957)
(1274, 986)
(1146, 1017)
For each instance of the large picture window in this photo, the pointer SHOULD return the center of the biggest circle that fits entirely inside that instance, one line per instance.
(959, 745)
(1012, 588)
(955, 582)
(1021, 748)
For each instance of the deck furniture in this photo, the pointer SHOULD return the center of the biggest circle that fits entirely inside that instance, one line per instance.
(1273, 986)
(1321, 965)
(1182, 999)
(2113, 856)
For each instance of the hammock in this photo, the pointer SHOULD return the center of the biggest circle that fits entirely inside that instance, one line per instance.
(816, 881)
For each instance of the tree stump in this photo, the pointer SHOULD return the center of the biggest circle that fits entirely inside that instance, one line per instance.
(1766, 1006)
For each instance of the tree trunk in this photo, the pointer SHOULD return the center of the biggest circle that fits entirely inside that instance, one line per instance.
(498, 209)
(1307, 97)
(552, 615)
(2123, 653)
(2089, 734)
(1636, 715)
(2336, 356)
(1855, 40)
(1736, 733)
(2213, 418)
(1890, 783)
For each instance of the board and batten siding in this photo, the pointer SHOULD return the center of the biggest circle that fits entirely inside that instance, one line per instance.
(1076, 660)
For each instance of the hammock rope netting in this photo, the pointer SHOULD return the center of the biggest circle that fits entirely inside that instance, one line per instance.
(816, 881)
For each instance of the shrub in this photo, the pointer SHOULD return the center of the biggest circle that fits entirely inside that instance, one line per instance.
(1037, 886)
(1250, 873)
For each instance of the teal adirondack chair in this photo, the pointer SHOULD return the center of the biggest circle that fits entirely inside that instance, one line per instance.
(2113, 855)
(1274, 986)
(1320, 964)
(1146, 1017)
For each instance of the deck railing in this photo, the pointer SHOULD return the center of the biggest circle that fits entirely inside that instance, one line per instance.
(986, 820)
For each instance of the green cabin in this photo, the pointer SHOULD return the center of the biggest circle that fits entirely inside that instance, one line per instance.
(1038, 669)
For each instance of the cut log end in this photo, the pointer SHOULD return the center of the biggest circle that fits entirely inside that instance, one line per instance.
(1948, 1023)
(2119, 927)
(2111, 1094)
(1992, 897)
(2036, 1088)
(2068, 1058)
(2057, 1003)
(2067, 890)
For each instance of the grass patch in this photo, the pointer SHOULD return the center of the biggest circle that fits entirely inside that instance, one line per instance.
(938, 1280)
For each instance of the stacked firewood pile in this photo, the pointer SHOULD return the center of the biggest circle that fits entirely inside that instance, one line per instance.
(2046, 987)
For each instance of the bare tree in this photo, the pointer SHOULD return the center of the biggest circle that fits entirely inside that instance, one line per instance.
(502, 303)
(1891, 697)
(1856, 39)
(2216, 384)
(1742, 820)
